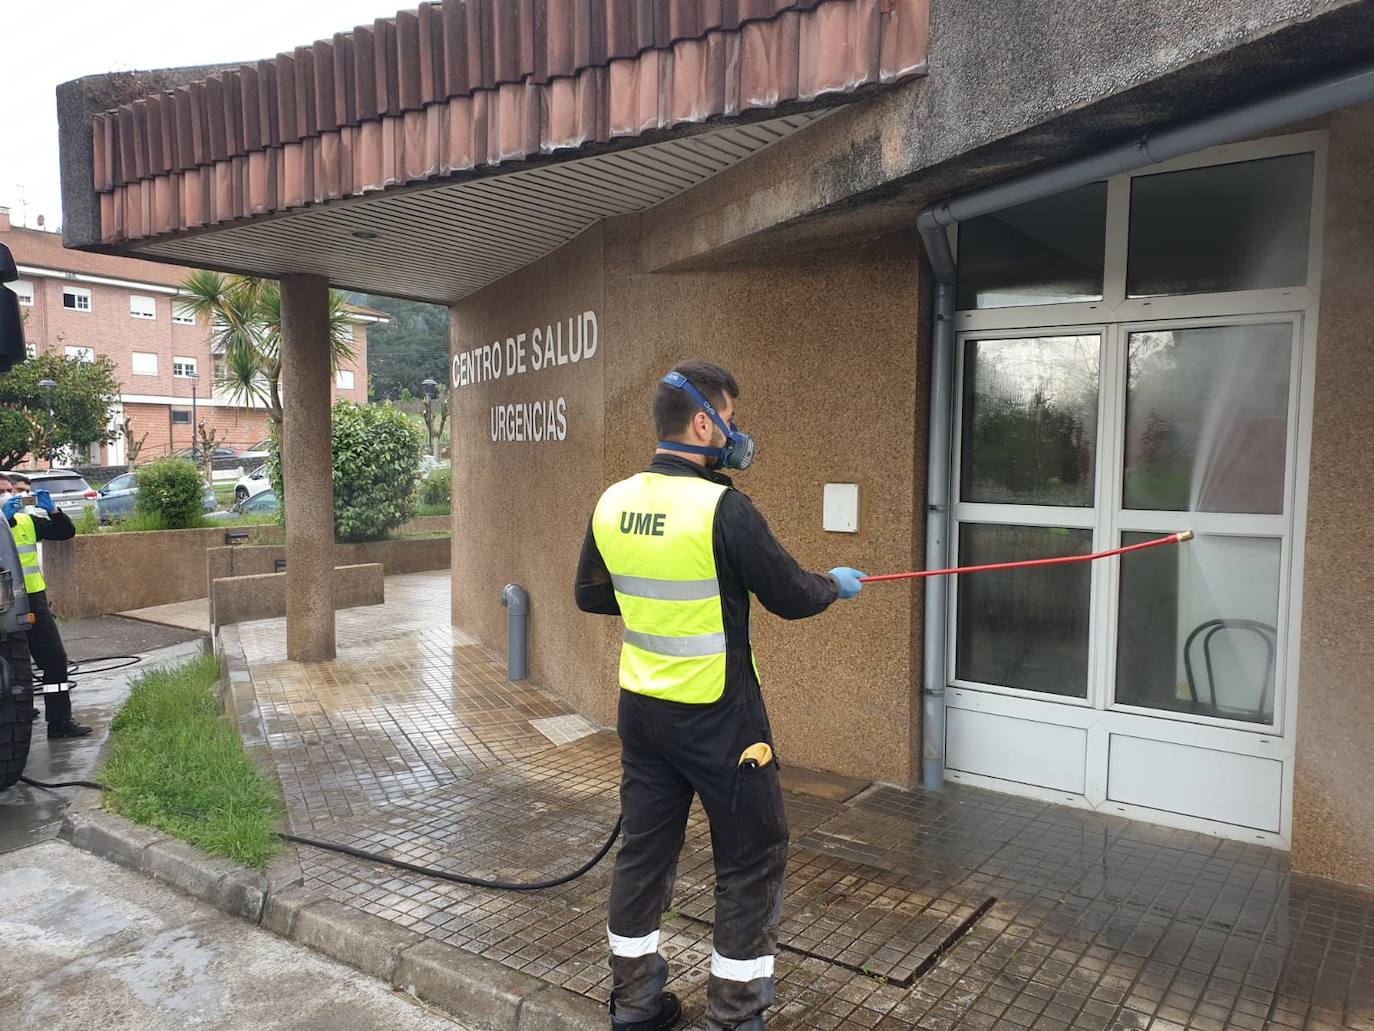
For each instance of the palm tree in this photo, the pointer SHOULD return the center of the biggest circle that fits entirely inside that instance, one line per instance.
(243, 315)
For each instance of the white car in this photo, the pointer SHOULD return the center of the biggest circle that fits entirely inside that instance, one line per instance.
(253, 484)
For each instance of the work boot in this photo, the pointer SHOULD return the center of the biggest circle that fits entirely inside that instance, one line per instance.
(669, 1013)
(67, 728)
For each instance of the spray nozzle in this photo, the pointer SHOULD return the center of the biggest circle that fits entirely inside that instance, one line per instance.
(1185, 535)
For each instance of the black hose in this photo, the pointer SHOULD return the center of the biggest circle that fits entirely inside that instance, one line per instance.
(444, 875)
(128, 660)
(64, 784)
(374, 857)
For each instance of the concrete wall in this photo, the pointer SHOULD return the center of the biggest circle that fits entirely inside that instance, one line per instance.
(394, 556)
(827, 358)
(1333, 808)
(97, 573)
(237, 599)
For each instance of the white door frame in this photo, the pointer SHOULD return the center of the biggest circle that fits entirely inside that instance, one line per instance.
(1113, 318)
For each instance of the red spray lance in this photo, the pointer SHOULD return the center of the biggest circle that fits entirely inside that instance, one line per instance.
(1062, 560)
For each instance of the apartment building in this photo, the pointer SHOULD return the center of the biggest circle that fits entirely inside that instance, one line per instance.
(82, 305)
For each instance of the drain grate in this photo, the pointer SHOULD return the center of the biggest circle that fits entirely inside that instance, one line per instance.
(858, 917)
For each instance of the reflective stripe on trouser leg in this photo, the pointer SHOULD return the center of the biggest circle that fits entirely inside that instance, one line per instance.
(632, 948)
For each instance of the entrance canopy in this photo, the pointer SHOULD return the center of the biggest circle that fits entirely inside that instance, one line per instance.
(436, 151)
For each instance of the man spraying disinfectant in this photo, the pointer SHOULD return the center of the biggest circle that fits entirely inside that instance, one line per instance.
(676, 551)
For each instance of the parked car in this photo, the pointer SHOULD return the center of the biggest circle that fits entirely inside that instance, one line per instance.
(254, 483)
(70, 491)
(116, 500)
(258, 450)
(221, 451)
(263, 503)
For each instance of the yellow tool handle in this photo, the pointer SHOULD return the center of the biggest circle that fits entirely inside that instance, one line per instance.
(757, 755)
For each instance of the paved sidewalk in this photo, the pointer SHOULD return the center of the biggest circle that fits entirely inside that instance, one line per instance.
(88, 945)
(961, 908)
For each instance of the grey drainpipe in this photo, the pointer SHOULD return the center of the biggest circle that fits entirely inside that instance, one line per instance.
(1238, 123)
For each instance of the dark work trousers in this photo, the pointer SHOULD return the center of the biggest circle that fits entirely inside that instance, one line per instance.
(669, 752)
(50, 656)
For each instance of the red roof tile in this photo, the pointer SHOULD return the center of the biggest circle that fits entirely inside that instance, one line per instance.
(463, 83)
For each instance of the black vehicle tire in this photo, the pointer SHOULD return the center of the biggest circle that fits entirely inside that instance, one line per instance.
(16, 711)
(241, 493)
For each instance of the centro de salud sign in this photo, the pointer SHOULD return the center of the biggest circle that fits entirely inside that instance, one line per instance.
(542, 349)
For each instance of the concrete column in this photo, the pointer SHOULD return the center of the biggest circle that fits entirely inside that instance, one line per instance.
(307, 468)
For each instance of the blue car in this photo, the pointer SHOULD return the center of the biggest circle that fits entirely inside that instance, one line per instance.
(116, 499)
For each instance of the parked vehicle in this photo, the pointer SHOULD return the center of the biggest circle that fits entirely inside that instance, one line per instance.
(263, 503)
(70, 491)
(194, 453)
(254, 483)
(258, 450)
(116, 500)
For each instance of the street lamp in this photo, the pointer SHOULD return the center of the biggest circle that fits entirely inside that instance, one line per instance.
(429, 388)
(194, 377)
(48, 386)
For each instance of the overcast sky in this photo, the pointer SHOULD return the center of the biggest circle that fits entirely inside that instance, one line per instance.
(50, 43)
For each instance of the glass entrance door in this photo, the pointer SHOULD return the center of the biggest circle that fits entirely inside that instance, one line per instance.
(1153, 681)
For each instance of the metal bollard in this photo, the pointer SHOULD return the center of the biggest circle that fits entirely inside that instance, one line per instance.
(517, 604)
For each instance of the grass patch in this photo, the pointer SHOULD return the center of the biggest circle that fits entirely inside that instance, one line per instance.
(433, 510)
(177, 764)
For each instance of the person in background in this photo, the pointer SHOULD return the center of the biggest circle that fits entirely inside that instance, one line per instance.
(41, 521)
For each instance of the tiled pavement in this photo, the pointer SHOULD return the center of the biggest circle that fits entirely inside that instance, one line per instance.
(957, 909)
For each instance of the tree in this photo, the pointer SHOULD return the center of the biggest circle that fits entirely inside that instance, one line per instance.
(209, 439)
(82, 401)
(132, 448)
(243, 316)
(410, 348)
(435, 413)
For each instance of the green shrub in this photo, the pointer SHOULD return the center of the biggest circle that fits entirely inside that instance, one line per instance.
(89, 521)
(376, 452)
(170, 492)
(436, 490)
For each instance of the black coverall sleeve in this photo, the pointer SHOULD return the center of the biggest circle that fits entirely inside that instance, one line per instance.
(765, 567)
(593, 590)
(57, 527)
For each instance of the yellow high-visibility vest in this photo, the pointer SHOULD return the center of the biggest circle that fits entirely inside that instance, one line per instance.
(26, 540)
(655, 534)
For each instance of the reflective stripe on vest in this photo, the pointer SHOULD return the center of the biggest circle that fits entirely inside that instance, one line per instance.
(26, 543)
(656, 536)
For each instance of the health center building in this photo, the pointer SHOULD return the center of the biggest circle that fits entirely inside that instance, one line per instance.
(999, 281)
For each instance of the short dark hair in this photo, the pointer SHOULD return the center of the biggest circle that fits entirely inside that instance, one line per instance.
(673, 408)
(18, 478)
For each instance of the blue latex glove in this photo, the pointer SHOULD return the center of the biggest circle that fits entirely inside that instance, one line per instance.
(848, 580)
(45, 501)
(11, 507)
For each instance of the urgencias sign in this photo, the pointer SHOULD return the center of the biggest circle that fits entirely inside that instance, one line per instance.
(540, 350)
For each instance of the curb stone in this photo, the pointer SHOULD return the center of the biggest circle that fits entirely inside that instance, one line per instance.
(479, 991)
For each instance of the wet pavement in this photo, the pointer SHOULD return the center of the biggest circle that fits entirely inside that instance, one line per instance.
(957, 909)
(88, 946)
(29, 815)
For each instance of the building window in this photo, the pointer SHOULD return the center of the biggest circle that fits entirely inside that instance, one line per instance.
(145, 363)
(181, 417)
(182, 315)
(85, 354)
(142, 307)
(76, 298)
(24, 289)
(343, 379)
(183, 368)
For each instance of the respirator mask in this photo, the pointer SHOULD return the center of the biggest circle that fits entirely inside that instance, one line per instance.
(739, 449)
